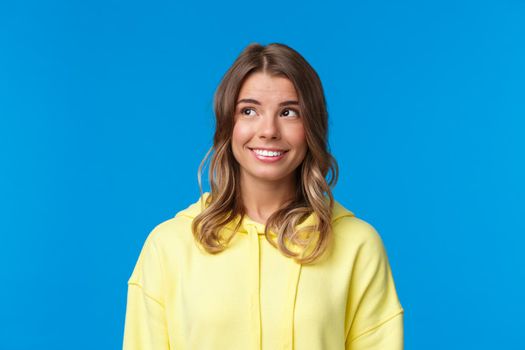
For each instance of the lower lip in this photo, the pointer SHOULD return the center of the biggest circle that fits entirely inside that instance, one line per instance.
(268, 159)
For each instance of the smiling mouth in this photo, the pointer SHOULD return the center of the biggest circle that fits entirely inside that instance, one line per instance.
(268, 153)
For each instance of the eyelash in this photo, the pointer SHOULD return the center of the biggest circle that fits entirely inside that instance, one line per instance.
(286, 109)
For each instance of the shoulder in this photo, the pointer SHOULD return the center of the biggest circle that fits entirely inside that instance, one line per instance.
(354, 234)
(349, 225)
(172, 233)
(169, 228)
(356, 229)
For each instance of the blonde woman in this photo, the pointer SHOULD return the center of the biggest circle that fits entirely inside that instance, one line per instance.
(267, 259)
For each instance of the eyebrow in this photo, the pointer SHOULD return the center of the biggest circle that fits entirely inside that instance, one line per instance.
(284, 103)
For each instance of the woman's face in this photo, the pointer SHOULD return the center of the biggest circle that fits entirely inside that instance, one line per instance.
(268, 137)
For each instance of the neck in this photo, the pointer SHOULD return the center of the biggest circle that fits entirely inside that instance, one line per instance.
(262, 198)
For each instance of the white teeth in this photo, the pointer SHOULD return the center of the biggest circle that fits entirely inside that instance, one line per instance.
(267, 153)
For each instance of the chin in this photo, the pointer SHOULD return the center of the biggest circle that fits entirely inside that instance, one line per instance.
(269, 177)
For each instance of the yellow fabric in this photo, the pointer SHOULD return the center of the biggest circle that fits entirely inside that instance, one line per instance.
(252, 297)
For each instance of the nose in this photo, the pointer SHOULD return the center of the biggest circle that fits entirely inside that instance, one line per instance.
(269, 128)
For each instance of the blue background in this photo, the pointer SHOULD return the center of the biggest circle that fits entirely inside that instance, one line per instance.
(106, 113)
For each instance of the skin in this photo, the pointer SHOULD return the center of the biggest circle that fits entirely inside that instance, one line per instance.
(266, 124)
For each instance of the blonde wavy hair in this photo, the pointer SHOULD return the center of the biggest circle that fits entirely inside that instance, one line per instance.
(315, 177)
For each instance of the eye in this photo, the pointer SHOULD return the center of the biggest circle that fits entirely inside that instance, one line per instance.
(246, 111)
(289, 112)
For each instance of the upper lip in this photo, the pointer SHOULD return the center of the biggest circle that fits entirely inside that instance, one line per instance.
(268, 149)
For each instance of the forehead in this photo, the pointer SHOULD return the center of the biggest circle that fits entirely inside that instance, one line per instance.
(263, 85)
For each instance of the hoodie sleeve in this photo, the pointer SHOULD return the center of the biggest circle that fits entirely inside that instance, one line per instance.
(375, 314)
(145, 323)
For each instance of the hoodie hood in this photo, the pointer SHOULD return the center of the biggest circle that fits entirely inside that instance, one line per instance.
(196, 208)
(253, 230)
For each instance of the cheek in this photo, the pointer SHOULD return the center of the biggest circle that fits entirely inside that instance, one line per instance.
(297, 137)
(240, 135)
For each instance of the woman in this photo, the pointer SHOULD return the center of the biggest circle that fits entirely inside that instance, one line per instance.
(268, 259)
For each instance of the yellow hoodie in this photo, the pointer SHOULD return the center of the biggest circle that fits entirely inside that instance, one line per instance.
(250, 296)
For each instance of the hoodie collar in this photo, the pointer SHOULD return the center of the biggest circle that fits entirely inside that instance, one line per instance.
(196, 208)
